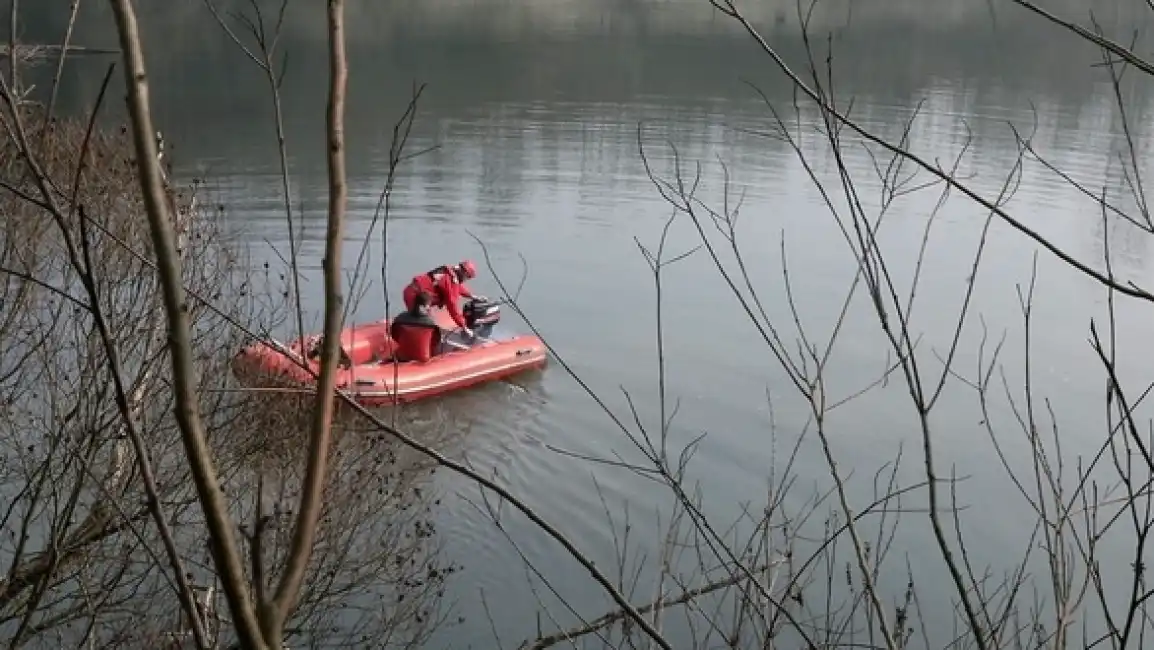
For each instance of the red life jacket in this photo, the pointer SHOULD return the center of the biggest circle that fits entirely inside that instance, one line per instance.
(443, 288)
(436, 282)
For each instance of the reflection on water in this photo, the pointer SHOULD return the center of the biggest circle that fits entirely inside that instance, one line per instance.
(535, 152)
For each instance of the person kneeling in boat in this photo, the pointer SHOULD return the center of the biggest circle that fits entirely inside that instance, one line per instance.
(444, 286)
(416, 335)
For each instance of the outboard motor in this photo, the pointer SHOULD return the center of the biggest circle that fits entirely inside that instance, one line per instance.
(481, 316)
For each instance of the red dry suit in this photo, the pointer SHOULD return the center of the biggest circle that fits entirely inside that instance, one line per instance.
(443, 289)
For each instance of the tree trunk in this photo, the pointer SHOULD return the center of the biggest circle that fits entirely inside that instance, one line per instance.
(305, 529)
(220, 525)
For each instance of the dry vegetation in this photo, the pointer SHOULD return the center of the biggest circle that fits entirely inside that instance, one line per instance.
(83, 559)
(104, 537)
(139, 482)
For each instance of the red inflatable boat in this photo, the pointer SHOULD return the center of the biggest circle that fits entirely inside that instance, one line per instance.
(369, 373)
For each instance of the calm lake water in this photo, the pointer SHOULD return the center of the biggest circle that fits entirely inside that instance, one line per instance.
(534, 117)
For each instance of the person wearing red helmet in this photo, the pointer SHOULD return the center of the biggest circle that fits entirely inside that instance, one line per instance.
(444, 286)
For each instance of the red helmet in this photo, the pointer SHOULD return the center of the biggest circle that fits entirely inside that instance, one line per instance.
(468, 268)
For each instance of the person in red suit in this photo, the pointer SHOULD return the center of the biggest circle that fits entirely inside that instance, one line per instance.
(443, 287)
(415, 334)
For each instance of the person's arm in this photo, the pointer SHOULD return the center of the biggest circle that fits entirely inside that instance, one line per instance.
(450, 295)
(464, 290)
(455, 313)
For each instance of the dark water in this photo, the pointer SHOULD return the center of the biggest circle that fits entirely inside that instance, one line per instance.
(534, 115)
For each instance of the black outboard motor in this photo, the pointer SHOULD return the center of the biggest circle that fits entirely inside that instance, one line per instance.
(481, 316)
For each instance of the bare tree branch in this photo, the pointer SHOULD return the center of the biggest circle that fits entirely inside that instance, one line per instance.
(304, 532)
(223, 545)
